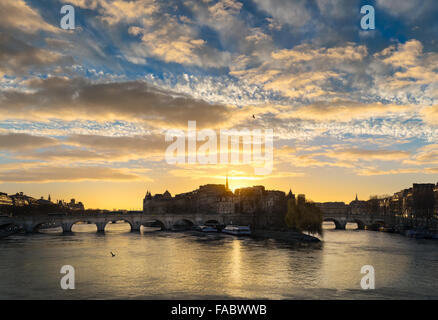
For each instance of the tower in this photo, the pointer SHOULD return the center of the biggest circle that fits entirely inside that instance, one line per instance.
(226, 183)
(356, 196)
(290, 195)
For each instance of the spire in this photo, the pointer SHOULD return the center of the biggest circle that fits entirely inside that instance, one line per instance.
(290, 195)
(226, 183)
(356, 197)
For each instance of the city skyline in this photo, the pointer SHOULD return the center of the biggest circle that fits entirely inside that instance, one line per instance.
(72, 198)
(84, 111)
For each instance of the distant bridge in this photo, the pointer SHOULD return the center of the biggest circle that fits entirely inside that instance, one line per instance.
(32, 223)
(167, 221)
(362, 220)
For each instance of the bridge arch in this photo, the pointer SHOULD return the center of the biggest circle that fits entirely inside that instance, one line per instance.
(9, 227)
(154, 223)
(69, 227)
(129, 222)
(182, 224)
(360, 224)
(338, 224)
(37, 227)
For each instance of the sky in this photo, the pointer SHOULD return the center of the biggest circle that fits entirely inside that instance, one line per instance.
(84, 112)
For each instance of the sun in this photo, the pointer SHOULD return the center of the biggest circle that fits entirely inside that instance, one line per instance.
(239, 182)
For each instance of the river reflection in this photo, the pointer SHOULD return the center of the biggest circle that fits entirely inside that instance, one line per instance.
(185, 266)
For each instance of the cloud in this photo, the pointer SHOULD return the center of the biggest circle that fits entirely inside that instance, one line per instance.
(305, 52)
(110, 149)
(45, 174)
(136, 144)
(431, 170)
(427, 154)
(408, 10)
(340, 110)
(306, 72)
(430, 114)
(235, 172)
(400, 73)
(338, 9)
(20, 58)
(115, 11)
(378, 172)
(294, 13)
(368, 155)
(17, 14)
(64, 155)
(171, 41)
(79, 98)
(404, 72)
(358, 160)
(19, 141)
(169, 37)
(223, 9)
(298, 66)
(85, 148)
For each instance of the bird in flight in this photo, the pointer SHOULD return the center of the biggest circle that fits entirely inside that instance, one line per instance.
(253, 116)
(112, 254)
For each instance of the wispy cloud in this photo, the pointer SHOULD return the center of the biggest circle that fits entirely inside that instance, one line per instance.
(92, 104)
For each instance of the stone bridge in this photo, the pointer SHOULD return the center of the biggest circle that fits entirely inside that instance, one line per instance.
(363, 220)
(167, 221)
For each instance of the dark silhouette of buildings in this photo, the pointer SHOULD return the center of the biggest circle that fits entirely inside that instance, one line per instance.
(267, 207)
(19, 200)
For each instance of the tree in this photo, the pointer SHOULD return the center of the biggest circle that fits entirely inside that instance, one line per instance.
(304, 217)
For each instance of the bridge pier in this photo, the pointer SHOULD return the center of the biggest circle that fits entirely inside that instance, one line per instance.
(28, 227)
(66, 227)
(360, 225)
(340, 225)
(135, 226)
(101, 226)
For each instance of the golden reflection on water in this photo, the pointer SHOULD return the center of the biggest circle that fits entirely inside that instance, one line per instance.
(181, 265)
(235, 262)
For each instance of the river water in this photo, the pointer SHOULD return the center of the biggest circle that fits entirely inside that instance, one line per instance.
(165, 265)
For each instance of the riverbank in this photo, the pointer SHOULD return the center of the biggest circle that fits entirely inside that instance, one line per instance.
(288, 236)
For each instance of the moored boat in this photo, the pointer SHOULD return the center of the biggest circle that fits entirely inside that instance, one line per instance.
(237, 230)
(415, 233)
(204, 228)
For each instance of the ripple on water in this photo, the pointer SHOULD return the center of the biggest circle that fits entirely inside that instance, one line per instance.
(188, 266)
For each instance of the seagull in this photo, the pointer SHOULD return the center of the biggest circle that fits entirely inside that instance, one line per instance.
(112, 254)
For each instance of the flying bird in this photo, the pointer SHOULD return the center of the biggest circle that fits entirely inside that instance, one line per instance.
(253, 116)
(112, 254)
